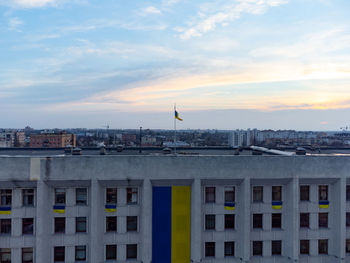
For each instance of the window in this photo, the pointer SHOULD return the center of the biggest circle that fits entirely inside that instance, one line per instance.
(131, 251)
(347, 246)
(229, 221)
(230, 194)
(28, 197)
(276, 220)
(131, 223)
(80, 253)
(81, 196)
(5, 226)
(348, 219)
(111, 252)
(210, 194)
(209, 222)
(257, 248)
(60, 196)
(257, 220)
(5, 197)
(348, 193)
(60, 225)
(304, 193)
(80, 224)
(27, 226)
(304, 247)
(111, 195)
(131, 195)
(27, 255)
(276, 247)
(258, 193)
(323, 192)
(276, 193)
(322, 219)
(5, 255)
(229, 249)
(210, 249)
(323, 246)
(59, 254)
(111, 223)
(304, 220)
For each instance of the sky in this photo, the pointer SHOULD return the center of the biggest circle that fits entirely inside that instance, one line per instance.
(227, 64)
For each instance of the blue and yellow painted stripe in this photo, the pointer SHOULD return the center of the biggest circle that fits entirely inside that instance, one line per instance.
(111, 208)
(323, 204)
(230, 206)
(5, 210)
(277, 204)
(60, 209)
(171, 226)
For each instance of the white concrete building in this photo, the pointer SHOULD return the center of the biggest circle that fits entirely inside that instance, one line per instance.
(243, 208)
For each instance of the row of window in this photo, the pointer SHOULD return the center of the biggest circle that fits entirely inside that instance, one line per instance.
(27, 255)
(60, 196)
(228, 252)
(60, 225)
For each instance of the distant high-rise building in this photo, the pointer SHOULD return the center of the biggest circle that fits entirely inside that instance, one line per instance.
(239, 138)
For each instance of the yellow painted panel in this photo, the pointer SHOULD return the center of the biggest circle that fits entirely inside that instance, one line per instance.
(181, 224)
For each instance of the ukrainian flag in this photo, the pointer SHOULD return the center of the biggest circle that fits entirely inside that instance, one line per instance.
(6, 210)
(111, 208)
(277, 205)
(60, 209)
(323, 204)
(177, 116)
(230, 206)
(171, 224)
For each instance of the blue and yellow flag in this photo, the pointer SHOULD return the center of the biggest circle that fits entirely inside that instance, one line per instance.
(230, 206)
(323, 204)
(111, 208)
(60, 209)
(6, 210)
(177, 116)
(277, 205)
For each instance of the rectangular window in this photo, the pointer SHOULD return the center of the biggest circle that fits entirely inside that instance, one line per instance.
(59, 254)
(323, 192)
(209, 249)
(209, 222)
(322, 220)
(304, 247)
(131, 251)
(5, 255)
(276, 220)
(258, 192)
(257, 248)
(80, 253)
(28, 197)
(81, 196)
(27, 255)
(60, 225)
(60, 196)
(131, 223)
(5, 197)
(210, 194)
(257, 220)
(348, 193)
(111, 195)
(348, 219)
(304, 220)
(111, 252)
(323, 246)
(131, 195)
(304, 193)
(229, 194)
(276, 247)
(80, 224)
(229, 249)
(27, 226)
(111, 224)
(230, 221)
(276, 193)
(347, 246)
(5, 226)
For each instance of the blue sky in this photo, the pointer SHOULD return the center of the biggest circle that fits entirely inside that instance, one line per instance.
(227, 64)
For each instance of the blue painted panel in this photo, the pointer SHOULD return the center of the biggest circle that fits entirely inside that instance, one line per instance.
(161, 225)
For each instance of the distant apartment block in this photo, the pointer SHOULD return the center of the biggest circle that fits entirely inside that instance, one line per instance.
(239, 138)
(11, 138)
(52, 140)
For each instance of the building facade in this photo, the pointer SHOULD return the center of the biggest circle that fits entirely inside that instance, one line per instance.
(52, 140)
(237, 208)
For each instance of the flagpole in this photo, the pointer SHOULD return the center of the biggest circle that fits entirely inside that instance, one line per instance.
(174, 129)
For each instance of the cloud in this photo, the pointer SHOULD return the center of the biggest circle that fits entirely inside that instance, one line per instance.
(14, 24)
(151, 10)
(30, 3)
(222, 13)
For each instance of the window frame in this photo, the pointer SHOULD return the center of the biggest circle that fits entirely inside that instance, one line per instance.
(229, 190)
(306, 196)
(307, 247)
(56, 225)
(131, 223)
(5, 223)
(260, 223)
(208, 248)
(257, 248)
(77, 222)
(301, 225)
(109, 199)
(78, 202)
(79, 249)
(261, 192)
(24, 195)
(323, 219)
(6, 195)
(130, 191)
(276, 247)
(55, 252)
(229, 245)
(210, 191)
(229, 220)
(320, 243)
(323, 189)
(130, 247)
(275, 192)
(23, 252)
(274, 215)
(108, 228)
(5, 252)
(57, 196)
(23, 226)
(210, 218)
(112, 247)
